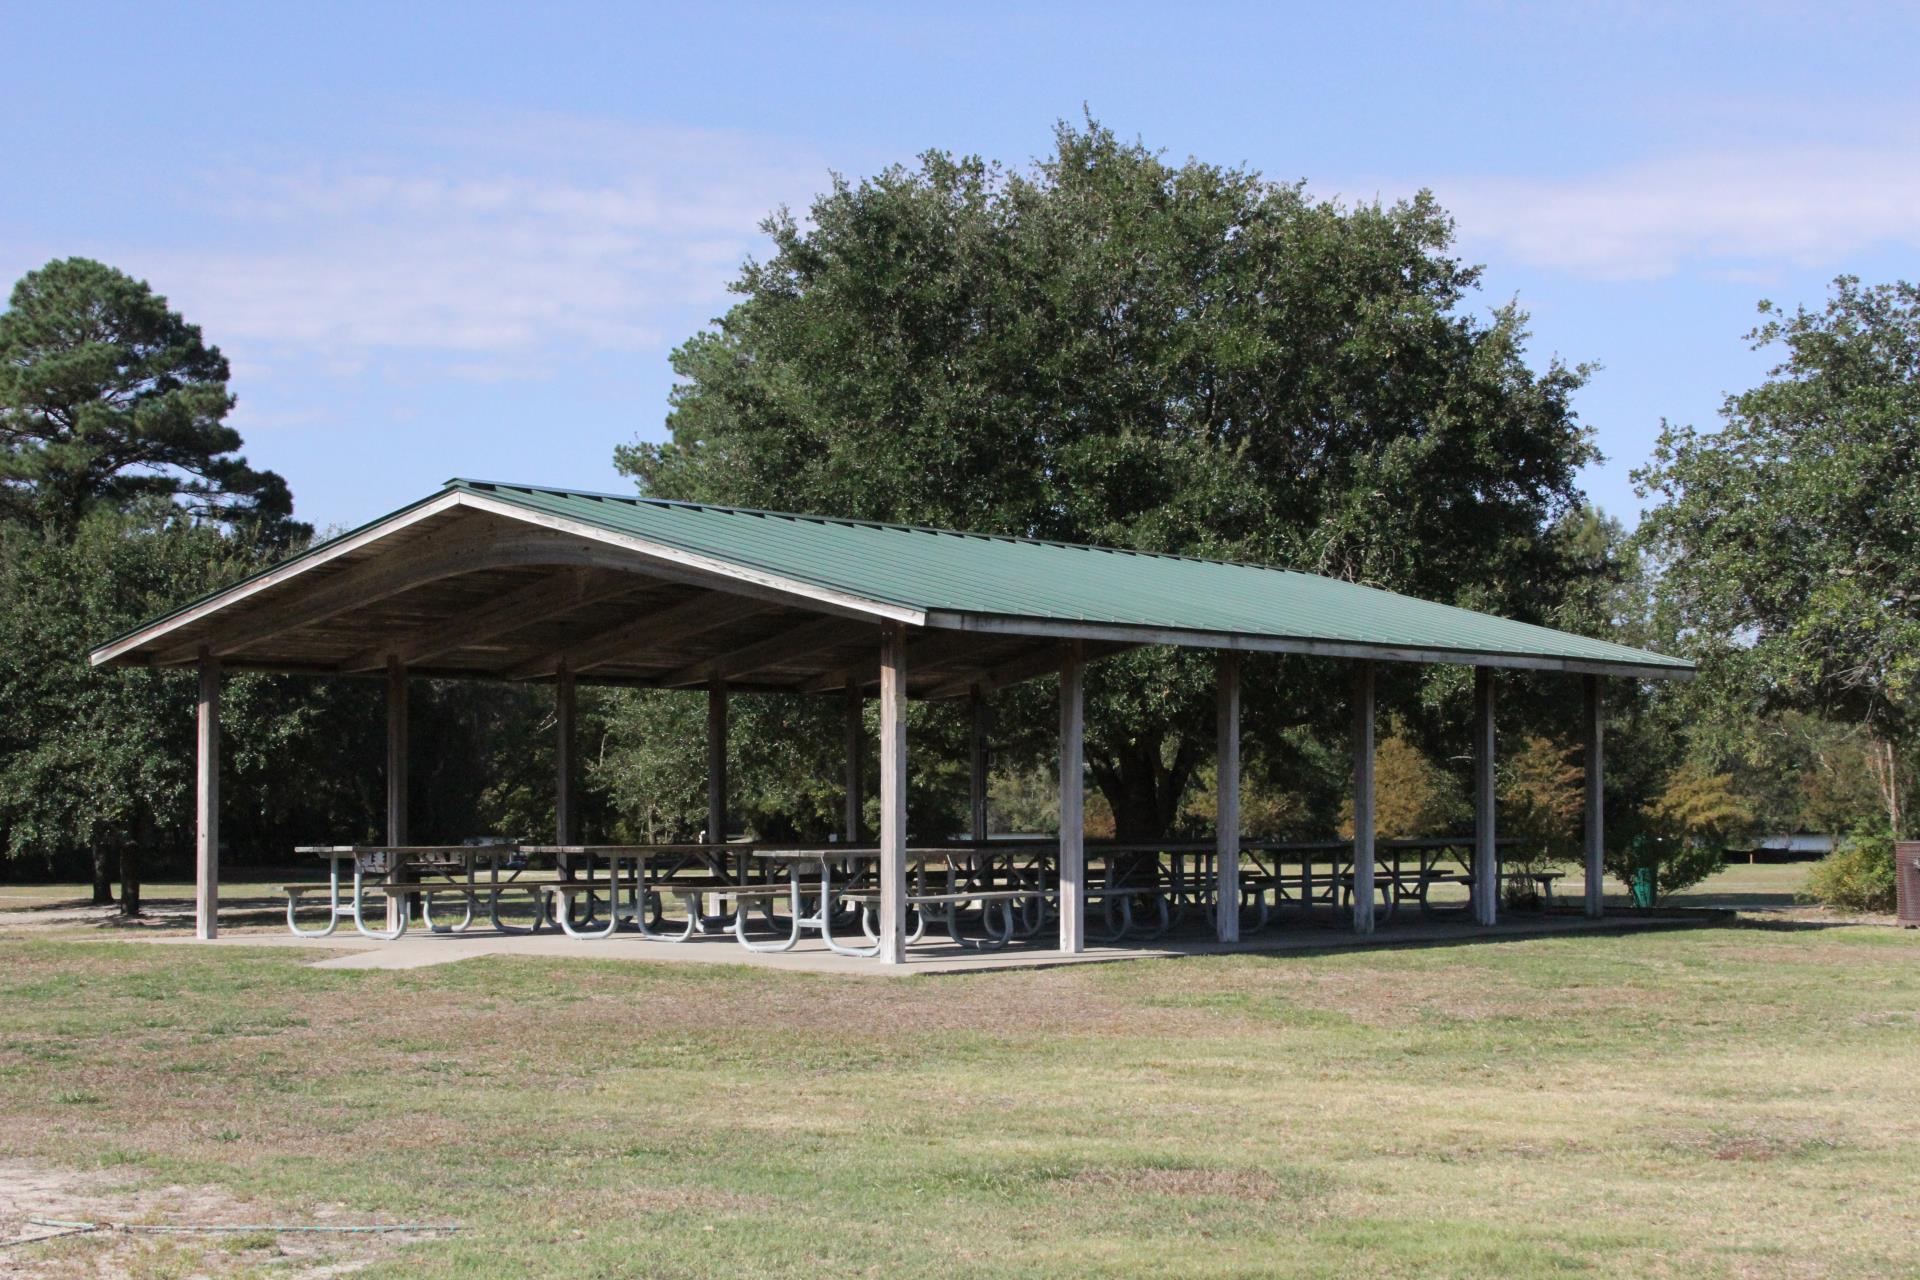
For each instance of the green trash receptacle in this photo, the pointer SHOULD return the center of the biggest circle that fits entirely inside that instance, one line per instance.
(1644, 863)
(1643, 887)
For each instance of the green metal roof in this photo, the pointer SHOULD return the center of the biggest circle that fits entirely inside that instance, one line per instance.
(963, 579)
(986, 582)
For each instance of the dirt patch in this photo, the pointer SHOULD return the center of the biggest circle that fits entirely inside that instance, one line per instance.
(30, 1190)
(1763, 1143)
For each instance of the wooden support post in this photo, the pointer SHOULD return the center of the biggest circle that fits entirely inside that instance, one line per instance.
(1226, 822)
(1596, 843)
(206, 837)
(856, 731)
(397, 833)
(1363, 809)
(893, 794)
(1073, 804)
(977, 766)
(1486, 856)
(716, 761)
(565, 706)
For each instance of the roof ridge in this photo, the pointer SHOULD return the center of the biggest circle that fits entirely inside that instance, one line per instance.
(639, 499)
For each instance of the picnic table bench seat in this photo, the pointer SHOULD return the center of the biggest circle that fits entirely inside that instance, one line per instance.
(740, 891)
(676, 884)
(425, 890)
(426, 886)
(944, 906)
(1119, 899)
(871, 897)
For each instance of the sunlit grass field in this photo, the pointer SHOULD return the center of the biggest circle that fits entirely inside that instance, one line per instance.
(1735, 1101)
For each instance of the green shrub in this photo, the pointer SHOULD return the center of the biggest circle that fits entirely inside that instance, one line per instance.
(1678, 862)
(1685, 863)
(1857, 876)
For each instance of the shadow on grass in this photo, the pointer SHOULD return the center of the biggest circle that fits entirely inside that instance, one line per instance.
(1739, 901)
(1321, 938)
(156, 914)
(1797, 925)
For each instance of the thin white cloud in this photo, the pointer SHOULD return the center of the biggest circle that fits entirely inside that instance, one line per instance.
(532, 236)
(1748, 210)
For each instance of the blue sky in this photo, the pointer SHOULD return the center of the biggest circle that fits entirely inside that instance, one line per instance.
(463, 240)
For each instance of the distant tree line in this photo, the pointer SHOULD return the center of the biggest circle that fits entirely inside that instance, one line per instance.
(1104, 348)
(123, 494)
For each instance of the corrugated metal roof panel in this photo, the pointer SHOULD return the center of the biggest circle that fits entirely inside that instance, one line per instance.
(1000, 577)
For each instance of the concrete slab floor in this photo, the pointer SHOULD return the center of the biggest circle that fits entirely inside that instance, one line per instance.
(349, 950)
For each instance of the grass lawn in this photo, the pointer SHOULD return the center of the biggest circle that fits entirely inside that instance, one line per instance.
(1740, 1101)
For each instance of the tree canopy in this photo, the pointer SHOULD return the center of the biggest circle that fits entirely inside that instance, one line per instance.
(1787, 537)
(108, 396)
(1110, 348)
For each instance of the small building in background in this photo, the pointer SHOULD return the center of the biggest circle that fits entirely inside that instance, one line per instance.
(1799, 847)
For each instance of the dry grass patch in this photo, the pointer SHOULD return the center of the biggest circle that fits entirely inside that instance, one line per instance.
(32, 1190)
(1235, 1184)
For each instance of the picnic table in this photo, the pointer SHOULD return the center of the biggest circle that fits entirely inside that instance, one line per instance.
(1009, 888)
(1148, 887)
(1396, 882)
(448, 868)
(857, 886)
(648, 873)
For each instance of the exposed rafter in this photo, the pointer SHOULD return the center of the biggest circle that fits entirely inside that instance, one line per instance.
(1026, 666)
(790, 645)
(703, 613)
(926, 650)
(441, 555)
(549, 597)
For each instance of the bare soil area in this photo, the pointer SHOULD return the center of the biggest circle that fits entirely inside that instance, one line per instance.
(33, 1193)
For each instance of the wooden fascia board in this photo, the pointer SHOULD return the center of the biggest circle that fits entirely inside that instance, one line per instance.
(1143, 635)
(273, 578)
(743, 579)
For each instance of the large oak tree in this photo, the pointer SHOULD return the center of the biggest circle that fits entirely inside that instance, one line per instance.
(1110, 348)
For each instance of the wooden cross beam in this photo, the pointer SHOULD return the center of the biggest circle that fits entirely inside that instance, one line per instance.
(560, 593)
(929, 650)
(1041, 661)
(703, 613)
(800, 642)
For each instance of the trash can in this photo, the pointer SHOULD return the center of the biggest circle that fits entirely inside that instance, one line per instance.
(1645, 863)
(1906, 879)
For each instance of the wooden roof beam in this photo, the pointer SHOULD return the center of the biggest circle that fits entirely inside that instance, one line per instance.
(442, 555)
(788, 646)
(925, 650)
(702, 613)
(1036, 662)
(549, 597)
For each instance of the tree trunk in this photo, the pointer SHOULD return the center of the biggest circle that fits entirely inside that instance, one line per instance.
(1884, 766)
(1145, 796)
(102, 877)
(130, 867)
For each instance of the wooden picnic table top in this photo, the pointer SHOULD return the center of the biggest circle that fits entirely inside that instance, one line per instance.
(864, 853)
(342, 850)
(867, 896)
(630, 850)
